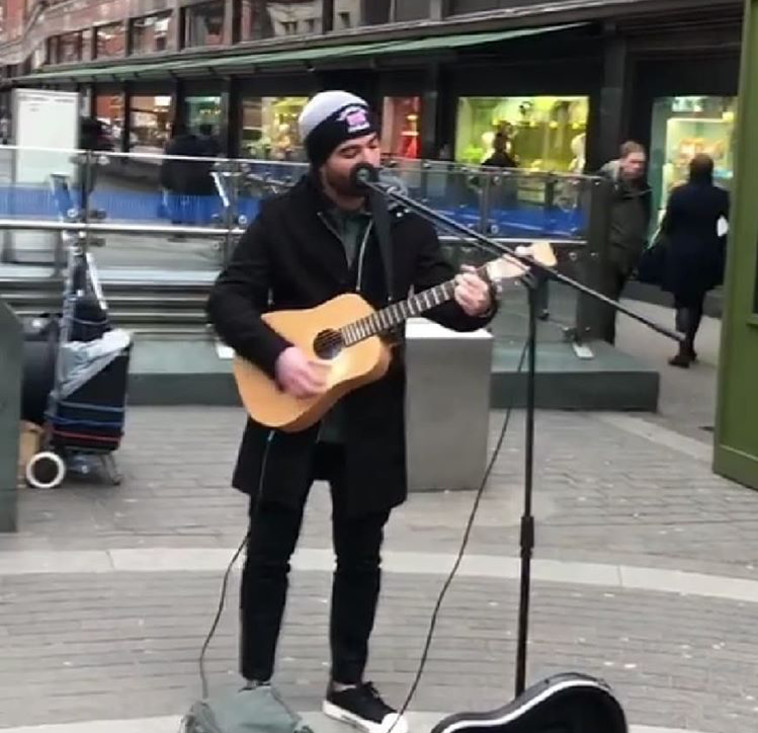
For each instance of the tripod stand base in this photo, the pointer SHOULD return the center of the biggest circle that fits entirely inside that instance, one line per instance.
(582, 351)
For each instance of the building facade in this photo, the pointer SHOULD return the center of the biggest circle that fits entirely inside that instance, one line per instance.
(565, 81)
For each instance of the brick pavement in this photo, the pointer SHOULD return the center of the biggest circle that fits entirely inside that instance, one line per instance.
(602, 494)
(89, 646)
(688, 398)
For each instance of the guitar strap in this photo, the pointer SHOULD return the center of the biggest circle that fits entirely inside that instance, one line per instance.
(381, 216)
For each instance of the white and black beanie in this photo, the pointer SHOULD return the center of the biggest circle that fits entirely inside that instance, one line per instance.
(331, 118)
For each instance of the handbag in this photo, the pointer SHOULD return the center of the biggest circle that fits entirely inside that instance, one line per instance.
(652, 262)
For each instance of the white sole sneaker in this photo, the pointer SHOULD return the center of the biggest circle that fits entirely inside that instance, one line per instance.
(391, 723)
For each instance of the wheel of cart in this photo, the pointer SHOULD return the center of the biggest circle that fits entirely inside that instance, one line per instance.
(45, 470)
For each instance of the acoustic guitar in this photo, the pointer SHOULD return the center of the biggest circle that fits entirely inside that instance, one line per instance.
(346, 332)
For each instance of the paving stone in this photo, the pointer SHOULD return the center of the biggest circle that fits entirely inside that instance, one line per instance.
(672, 660)
(600, 494)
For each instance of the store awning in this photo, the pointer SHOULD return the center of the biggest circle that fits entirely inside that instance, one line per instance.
(251, 62)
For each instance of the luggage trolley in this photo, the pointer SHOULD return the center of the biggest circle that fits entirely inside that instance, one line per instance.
(86, 406)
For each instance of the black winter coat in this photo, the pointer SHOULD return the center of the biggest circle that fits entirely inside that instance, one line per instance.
(187, 177)
(631, 203)
(694, 259)
(290, 258)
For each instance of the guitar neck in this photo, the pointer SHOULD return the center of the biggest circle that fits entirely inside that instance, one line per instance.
(386, 319)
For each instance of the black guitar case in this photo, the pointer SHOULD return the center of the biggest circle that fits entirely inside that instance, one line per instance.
(566, 703)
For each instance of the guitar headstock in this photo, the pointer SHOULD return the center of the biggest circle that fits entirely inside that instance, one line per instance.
(509, 268)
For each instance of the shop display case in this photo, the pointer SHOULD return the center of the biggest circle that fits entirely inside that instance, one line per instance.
(682, 128)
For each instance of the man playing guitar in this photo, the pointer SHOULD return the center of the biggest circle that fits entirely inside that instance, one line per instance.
(306, 246)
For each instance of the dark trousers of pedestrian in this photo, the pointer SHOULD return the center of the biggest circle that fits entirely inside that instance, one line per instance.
(273, 533)
(614, 282)
(191, 210)
(689, 314)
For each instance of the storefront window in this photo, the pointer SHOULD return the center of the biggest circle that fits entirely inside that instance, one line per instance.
(69, 48)
(87, 44)
(274, 18)
(85, 101)
(111, 40)
(542, 133)
(109, 109)
(204, 24)
(351, 14)
(66, 48)
(150, 123)
(39, 57)
(252, 20)
(52, 49)
(411, 10)
(150, 34)
(400, 127)
(682, 128)
(269, 128)
(461, 7)
(202, 111)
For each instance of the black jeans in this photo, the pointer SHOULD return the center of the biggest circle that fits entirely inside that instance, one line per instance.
(614, 282)
(274, 530)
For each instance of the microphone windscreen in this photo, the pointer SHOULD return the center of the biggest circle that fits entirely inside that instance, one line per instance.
(362, 174)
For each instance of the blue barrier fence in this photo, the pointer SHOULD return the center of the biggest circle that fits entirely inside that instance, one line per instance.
(517, 219)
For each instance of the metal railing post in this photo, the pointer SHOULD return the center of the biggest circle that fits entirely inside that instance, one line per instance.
(11, 359)
(591, 314)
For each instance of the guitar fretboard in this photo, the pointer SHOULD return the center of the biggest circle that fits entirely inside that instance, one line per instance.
(386, 319)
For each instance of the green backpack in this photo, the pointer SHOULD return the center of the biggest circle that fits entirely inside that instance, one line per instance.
(256, 710)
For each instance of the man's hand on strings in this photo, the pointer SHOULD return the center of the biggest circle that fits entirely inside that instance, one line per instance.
(472, 292)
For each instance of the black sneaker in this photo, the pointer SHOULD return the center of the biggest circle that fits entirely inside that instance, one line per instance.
(363, 708)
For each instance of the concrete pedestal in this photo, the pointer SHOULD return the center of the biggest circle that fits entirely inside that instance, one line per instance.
(447, 406)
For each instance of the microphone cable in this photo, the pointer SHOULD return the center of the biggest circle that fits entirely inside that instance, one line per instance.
(445, 587)
(360, 175)
(461, 551)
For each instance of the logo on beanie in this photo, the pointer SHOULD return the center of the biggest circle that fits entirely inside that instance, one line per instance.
(355, 119)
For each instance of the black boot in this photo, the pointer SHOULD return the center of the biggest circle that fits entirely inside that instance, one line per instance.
(683, 359)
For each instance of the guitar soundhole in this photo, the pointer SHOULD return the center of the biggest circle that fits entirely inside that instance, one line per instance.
(327, 344)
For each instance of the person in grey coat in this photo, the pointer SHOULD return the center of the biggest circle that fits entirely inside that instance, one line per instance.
(629, 220)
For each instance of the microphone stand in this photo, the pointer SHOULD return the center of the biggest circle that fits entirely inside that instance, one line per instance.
(367, 176)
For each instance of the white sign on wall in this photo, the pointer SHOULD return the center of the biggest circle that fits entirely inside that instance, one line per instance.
(43, 123)
(47, 119)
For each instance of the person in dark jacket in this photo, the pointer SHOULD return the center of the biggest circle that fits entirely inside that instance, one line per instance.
(630, 211)
(500, 157)
(306, 246)
(188, 182)
(209, 140)
(92, 137)
(695, 248)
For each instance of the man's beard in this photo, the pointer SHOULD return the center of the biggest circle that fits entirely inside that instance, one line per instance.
(342, 184)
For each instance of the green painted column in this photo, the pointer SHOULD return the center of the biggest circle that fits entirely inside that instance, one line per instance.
(736, 439)
(10, 406)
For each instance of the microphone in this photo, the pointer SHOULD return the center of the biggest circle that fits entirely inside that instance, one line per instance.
(363, 174)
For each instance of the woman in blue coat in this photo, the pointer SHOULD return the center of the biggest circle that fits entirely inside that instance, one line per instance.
(695, 250)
